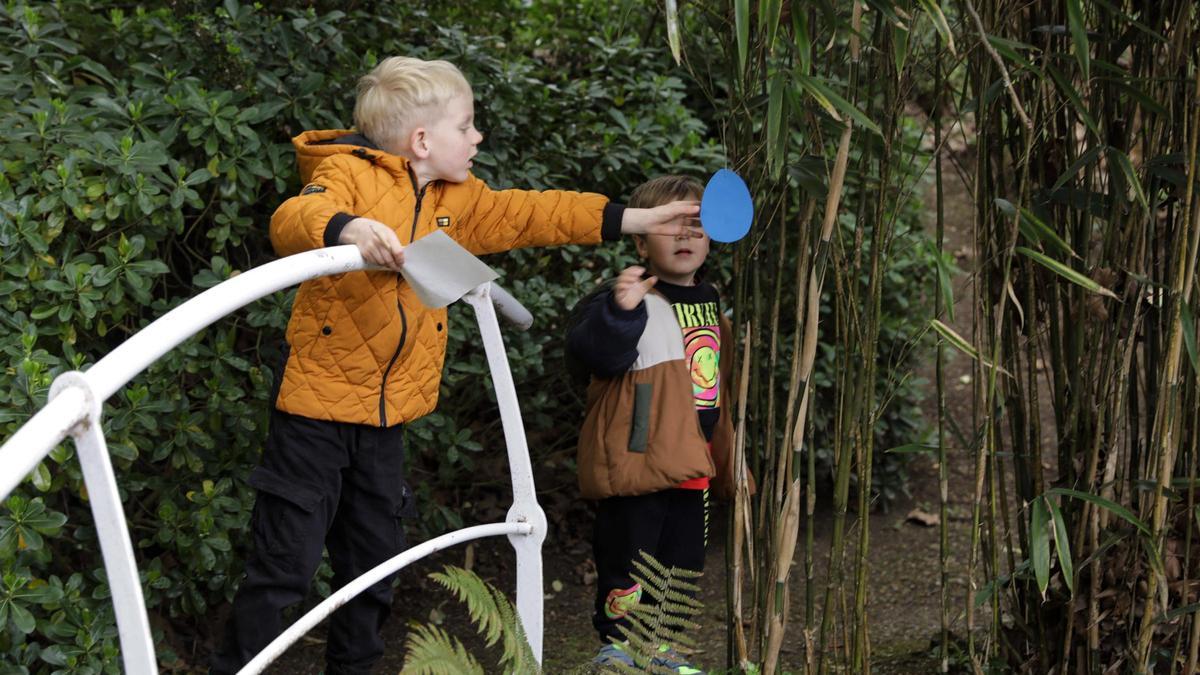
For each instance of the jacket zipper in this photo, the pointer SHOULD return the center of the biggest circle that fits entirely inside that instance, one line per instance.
(403, 319)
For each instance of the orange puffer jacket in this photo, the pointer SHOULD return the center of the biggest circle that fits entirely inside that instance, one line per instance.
(361, 346)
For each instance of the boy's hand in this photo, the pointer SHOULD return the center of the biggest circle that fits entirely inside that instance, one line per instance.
(673, 219)
(377, 243)
(631, 288)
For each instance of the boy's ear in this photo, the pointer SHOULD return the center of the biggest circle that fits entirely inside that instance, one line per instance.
(639, 240)
(418, 143)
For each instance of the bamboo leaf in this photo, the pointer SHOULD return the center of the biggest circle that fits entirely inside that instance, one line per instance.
(768, 20)
(899, 46)
(816, 84)
(1039, 231)
(1062, 545)
(1077, 103)
(945, 276)
(818, 96)
(741, 22)
(673, 30)
(913, 448)
(1065, 272)
(961, 344)
(1079, 37)
(803, 41)
(1011, 50)
(1033, 228)
(1086, 159)
(1189, 335)
(1039, 542)
(1151, 33)
(954, 338)
(1114, 508)
(1131, 177)
(776, 126)
(934, 11)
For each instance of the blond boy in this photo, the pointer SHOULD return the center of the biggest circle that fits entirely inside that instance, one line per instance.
(364, 356)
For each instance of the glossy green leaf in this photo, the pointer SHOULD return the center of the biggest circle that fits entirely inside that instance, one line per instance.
(830, 99)
(768, 19)
(899, 47)
(1189, 335)
(1110, 506)
(776, 124)
(1035, 229)
(1086, 159)
(934, 10)
(945, 278)
(1131, 178)
(1062, 544)
(1068, 90)
(672, 8)
(741, 21)
(802, 40)
(1065, 272)
(1039, 544)
(1079, 36)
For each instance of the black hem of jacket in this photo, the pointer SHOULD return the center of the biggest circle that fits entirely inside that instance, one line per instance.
(610, 224)
(334, 229)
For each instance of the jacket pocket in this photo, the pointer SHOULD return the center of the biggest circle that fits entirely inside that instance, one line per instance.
(639, 431)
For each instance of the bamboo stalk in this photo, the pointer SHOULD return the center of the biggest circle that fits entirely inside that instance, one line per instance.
(741, 502)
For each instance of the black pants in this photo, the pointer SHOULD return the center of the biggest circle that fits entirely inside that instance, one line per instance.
(321, 484)
(670, 525)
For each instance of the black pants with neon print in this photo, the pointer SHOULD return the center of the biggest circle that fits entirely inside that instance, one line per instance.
(670, 525)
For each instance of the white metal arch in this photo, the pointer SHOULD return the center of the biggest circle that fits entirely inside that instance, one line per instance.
(76, 403)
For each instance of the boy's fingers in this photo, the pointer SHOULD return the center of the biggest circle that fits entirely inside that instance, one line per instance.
(648, 284)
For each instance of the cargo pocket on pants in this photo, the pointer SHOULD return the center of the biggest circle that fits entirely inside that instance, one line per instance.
(283, 514)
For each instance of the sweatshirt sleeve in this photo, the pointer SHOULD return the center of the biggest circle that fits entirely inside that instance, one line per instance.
(315, 217)
(491, 221)
(605, 338)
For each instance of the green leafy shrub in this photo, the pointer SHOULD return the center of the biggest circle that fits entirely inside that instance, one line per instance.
(145, 150)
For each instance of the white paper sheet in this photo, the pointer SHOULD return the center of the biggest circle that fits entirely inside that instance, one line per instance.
(441, 271)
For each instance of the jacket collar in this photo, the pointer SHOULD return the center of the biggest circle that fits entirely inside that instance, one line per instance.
(312, 147)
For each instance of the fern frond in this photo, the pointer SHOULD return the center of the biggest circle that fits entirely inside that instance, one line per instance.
(431, 651)
(476, 593)
(518, 655)
(493, 615)
(666, 621)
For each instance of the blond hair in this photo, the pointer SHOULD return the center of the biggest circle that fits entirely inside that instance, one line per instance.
(399, 93)
(664, 189)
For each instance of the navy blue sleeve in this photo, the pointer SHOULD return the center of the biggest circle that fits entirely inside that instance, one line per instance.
(605, 338)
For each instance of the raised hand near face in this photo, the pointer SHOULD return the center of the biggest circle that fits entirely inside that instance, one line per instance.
(631, 288)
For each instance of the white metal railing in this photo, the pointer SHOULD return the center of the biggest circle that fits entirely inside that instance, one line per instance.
(76, 403)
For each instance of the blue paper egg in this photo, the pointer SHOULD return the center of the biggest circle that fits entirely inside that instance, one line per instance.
(726, 209)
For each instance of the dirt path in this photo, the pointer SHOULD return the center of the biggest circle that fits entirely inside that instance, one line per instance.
(905, 596)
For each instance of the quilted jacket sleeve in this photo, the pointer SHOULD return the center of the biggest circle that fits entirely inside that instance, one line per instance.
(605, 338)
(491, 221)
(316, 216)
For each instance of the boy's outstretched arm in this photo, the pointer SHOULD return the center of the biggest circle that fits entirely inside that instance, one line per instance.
(605, 338)
(492, 221)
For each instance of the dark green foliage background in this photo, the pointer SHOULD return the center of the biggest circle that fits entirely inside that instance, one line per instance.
(144, 151)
